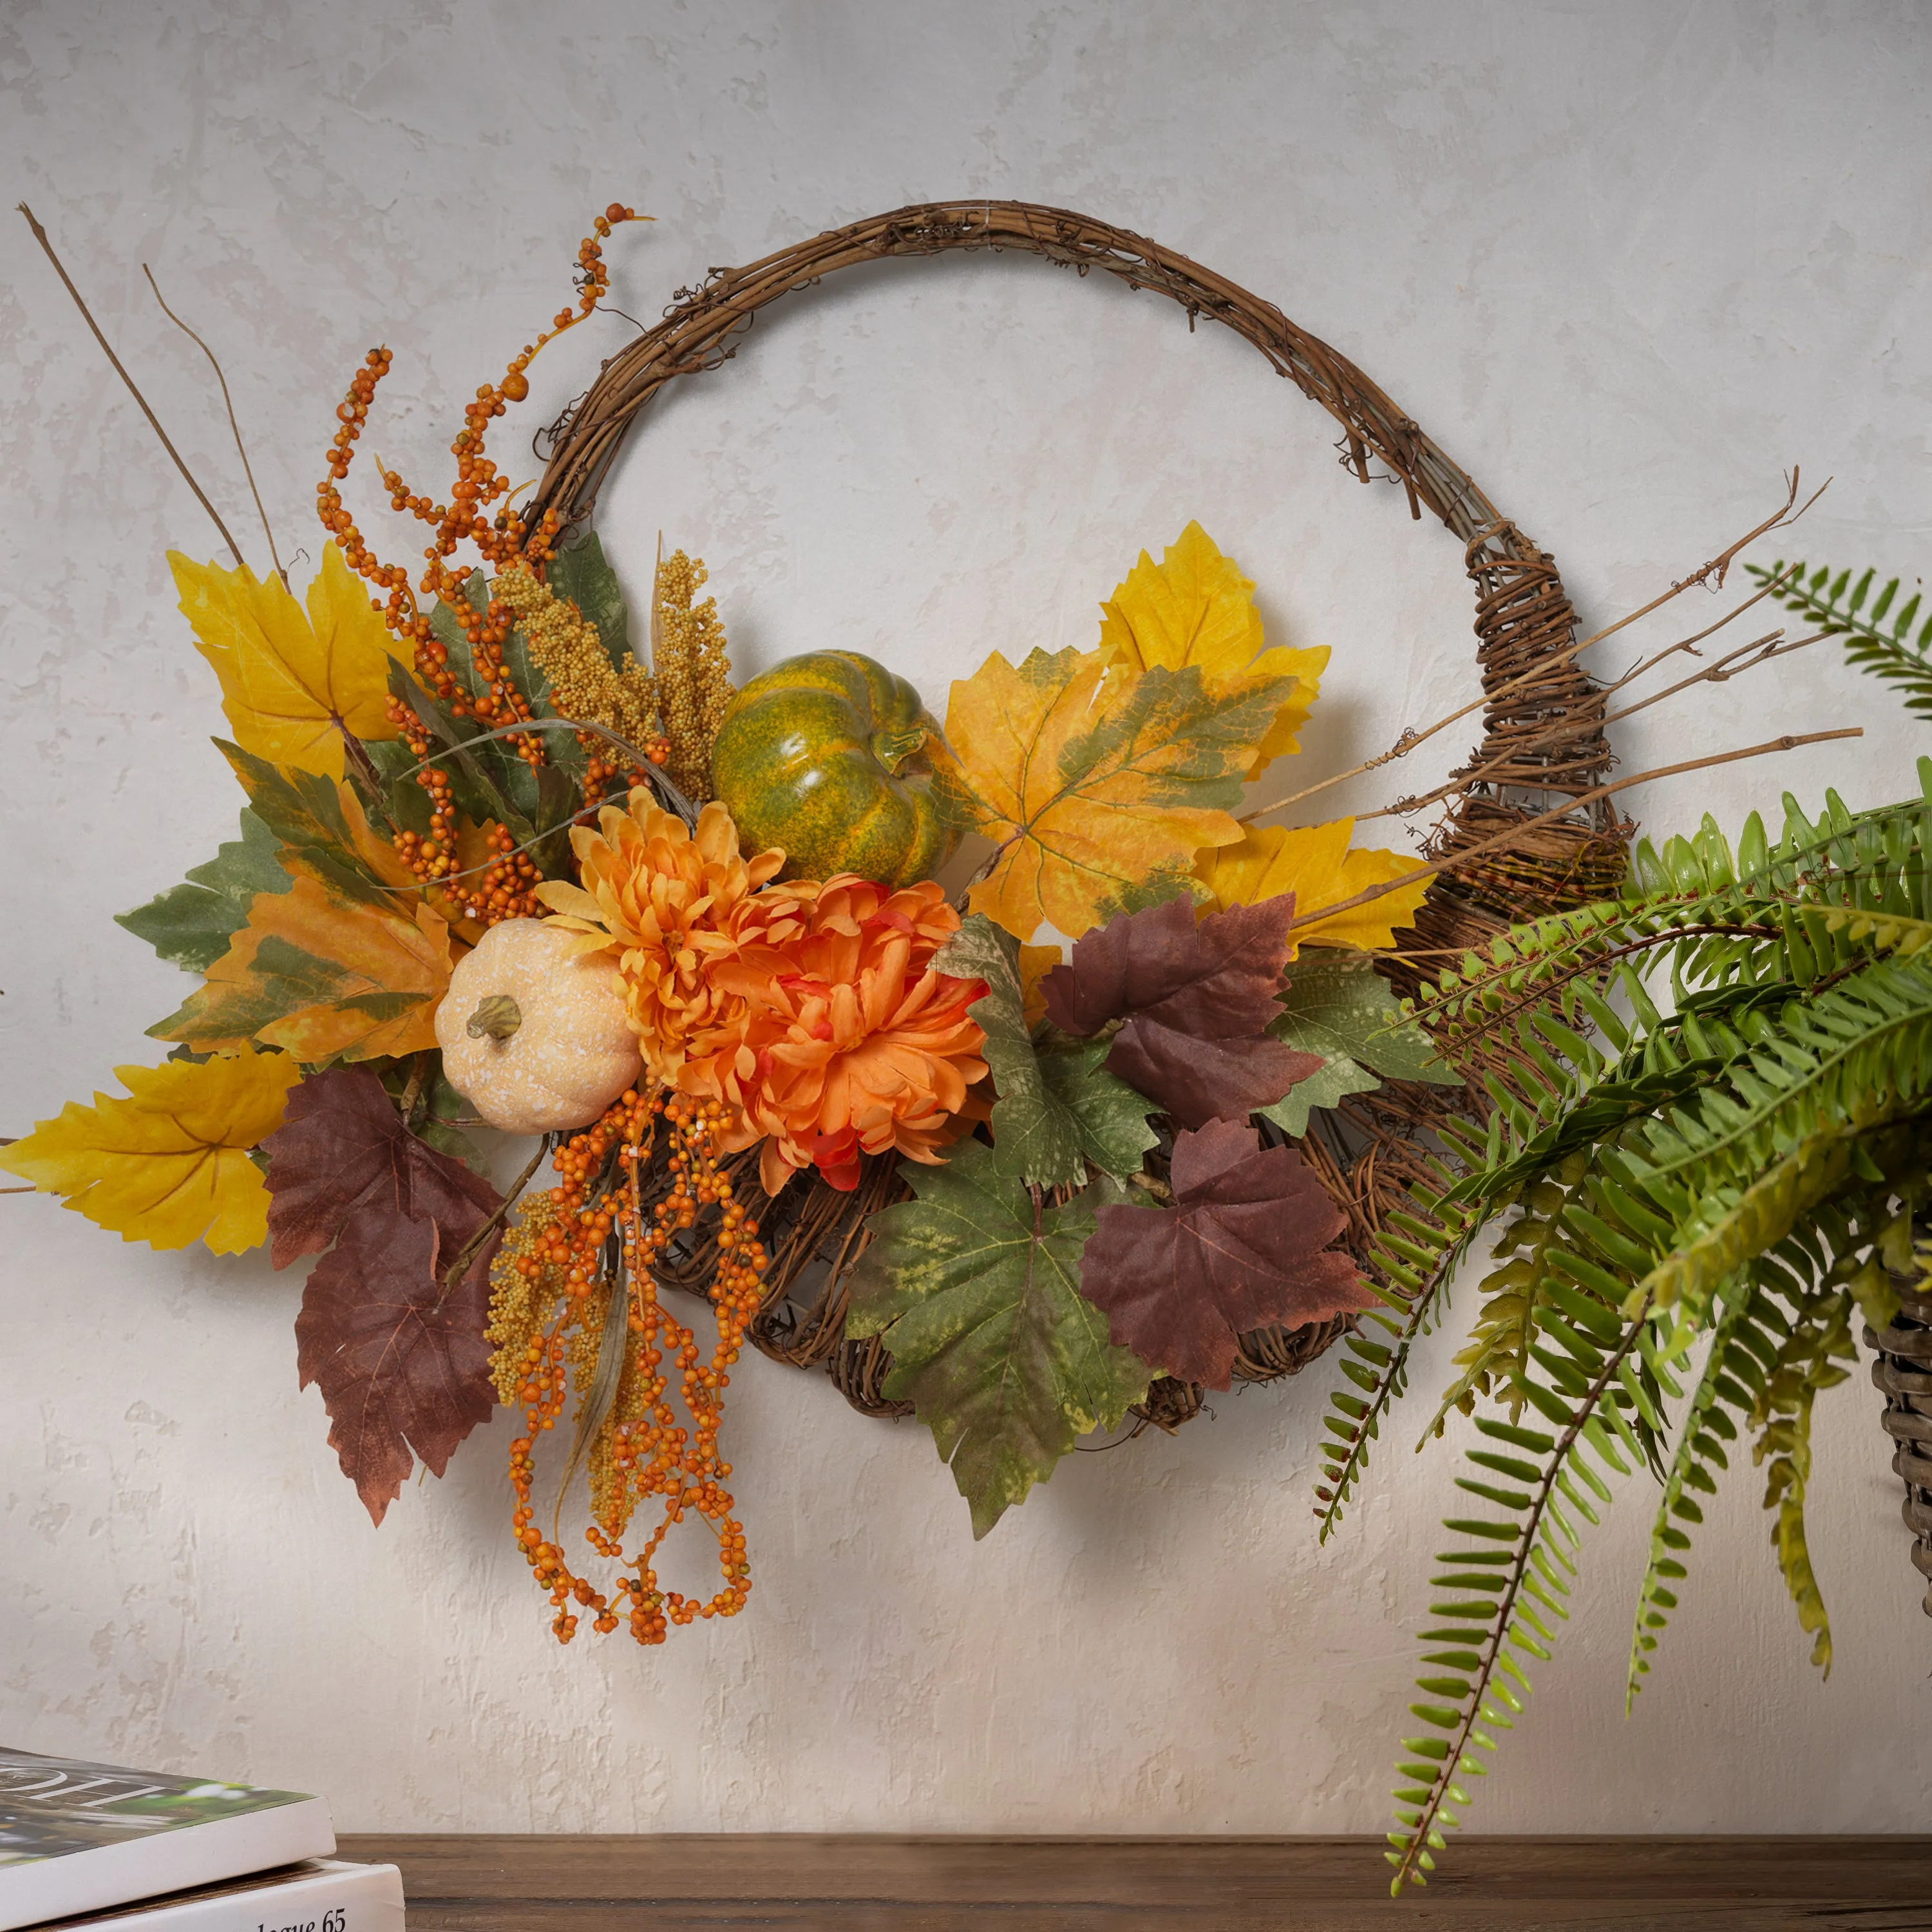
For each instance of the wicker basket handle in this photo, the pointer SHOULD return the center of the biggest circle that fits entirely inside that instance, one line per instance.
(1542, 742)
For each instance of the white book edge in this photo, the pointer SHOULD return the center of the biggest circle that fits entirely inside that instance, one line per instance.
(90, 1881)
(344, 1898)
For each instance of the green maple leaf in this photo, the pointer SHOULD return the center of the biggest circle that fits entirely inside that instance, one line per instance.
(1331, 1083)
(977, 1295)
(1109, 1117)
(1338, 1006)
(581, 572)
(192, 923)
(303, 811)
(1058, 1107)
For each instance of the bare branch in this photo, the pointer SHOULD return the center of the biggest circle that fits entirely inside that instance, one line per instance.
(1696, 638)
(1775, 644)
(1789, 743)
(87, 315)
(1732, 664)
(1713, 570)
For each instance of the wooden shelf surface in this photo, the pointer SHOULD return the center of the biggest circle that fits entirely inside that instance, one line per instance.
(656, 1884)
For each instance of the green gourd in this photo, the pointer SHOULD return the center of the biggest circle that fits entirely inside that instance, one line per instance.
(827, 756)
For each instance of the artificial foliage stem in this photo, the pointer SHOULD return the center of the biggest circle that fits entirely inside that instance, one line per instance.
(1558, 1457)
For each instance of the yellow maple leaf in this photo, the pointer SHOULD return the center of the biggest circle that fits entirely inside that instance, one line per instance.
(1036, 962)
(170, 1162)
(289, 679)
(1094, 806)
(321, 974)
(1315, 864)
(1196, 607)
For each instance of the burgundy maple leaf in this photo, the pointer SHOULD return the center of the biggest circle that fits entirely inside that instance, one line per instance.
(343, 1145)
(400, 1355)
(1246, 1243)
(402, 1361)
(1196, 998)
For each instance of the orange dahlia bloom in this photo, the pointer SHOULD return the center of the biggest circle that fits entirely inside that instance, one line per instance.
(662, 897)
(849, 1040)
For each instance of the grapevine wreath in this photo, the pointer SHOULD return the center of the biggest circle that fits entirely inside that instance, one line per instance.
(515, 856)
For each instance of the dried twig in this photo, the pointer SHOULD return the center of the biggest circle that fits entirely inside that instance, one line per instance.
(1789, 743)
(1712, 573)
(1732, 664)
(234, 428)
(1696, 638)
(87, 315)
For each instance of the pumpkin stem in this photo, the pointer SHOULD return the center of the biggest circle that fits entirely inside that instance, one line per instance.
(498, 1016)
(893, 748)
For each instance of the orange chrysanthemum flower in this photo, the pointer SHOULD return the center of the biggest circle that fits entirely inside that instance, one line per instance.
(849, 1040)
(660, 898)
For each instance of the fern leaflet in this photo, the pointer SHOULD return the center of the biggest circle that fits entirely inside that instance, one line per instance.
(1837, 606)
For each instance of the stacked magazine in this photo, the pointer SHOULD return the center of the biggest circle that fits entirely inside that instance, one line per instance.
(90, 1844)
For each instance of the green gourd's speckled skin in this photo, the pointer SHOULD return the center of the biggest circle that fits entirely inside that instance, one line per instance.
(824, 756)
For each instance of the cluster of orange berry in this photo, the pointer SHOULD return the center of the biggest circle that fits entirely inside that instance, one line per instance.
(507, 890)
(600, 772)
(432, 855)
(467, 516)
(499, 701)
(652, 1453)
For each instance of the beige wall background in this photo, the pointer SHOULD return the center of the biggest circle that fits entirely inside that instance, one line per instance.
(1628, 263)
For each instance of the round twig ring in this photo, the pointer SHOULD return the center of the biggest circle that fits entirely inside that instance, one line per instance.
(1542, 739)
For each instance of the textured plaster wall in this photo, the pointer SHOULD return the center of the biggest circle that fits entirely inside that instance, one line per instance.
(1625, 263)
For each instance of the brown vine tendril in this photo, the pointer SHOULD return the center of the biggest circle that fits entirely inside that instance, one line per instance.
(234, 427)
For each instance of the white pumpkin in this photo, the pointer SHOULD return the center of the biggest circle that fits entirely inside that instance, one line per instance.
(536, 1040)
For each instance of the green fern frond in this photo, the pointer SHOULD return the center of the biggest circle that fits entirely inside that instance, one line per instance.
(1732, 1384)
(1411, 1260)
(1751, 1164)
(1854, 1056)
(1837, 606)
(1759, 924)
(1812, 1358)
(1598, 1113)
(1732, 1228)
(1506, 1591)
(1513, 1295)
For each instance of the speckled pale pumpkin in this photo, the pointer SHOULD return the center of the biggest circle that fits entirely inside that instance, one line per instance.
(534, 1038)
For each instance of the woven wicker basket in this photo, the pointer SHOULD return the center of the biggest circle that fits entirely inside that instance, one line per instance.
(1542, 742)
(1903, 1374)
